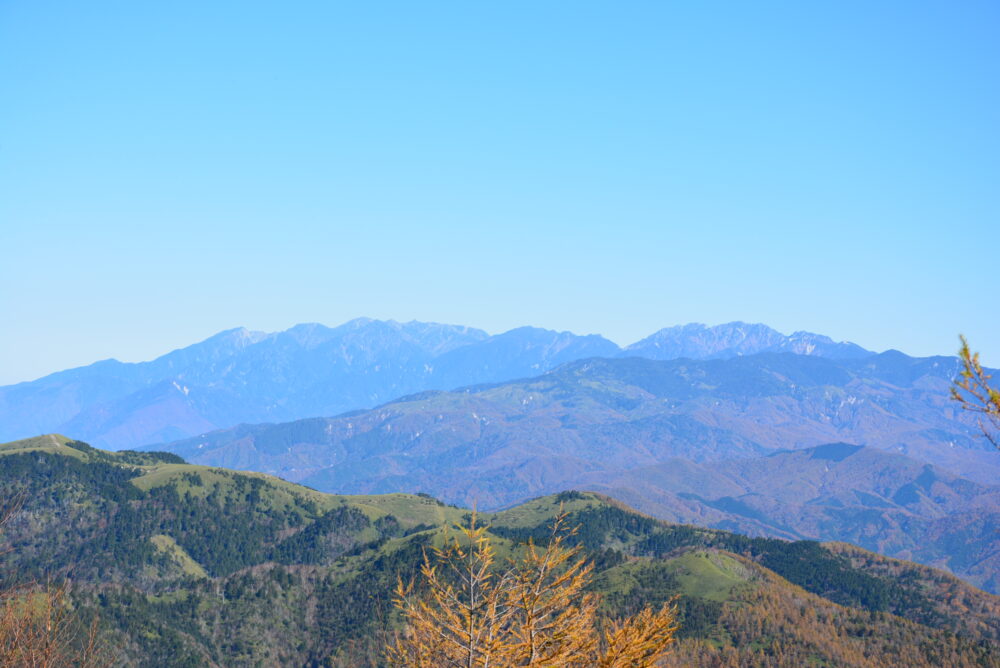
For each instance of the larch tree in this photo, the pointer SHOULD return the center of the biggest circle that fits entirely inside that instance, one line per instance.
(466, 612)
(973, 390)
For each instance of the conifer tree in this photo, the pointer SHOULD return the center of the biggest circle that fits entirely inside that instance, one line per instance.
(465, 612)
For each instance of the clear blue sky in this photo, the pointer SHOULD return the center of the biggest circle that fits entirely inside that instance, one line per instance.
(172, 169)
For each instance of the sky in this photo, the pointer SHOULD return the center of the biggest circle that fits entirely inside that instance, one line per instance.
(170, 170)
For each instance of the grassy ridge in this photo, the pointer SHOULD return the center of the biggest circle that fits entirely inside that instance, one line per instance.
(193, 565)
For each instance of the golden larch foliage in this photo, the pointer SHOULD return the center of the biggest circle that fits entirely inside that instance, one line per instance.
(972, 389)
(535, 612)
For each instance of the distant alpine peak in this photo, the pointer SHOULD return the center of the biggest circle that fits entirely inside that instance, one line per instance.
(244, 376)
(238, 336)
(732, 339)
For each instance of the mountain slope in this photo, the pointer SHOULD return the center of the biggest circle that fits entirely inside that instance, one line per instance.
(519, 353)
(530, 436)
(239, 376)
(189, 565)
(879, 500)
(697, 341)
(693, 441)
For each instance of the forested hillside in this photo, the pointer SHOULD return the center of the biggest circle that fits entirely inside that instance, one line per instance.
(866, 450)
(189, 565)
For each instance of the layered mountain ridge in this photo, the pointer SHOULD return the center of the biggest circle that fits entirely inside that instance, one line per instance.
(241, 376)
(747, 412)
(741, 443)
(699, 341)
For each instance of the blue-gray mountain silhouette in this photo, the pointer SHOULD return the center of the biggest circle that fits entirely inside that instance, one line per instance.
(309, 370)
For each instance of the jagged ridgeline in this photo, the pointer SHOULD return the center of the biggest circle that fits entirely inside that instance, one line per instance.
(190, 566)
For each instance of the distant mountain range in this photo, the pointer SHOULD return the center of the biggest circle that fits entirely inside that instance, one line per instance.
(615, 415)
(742, 443)
(239, 376)
(737, 338)
(735, 427)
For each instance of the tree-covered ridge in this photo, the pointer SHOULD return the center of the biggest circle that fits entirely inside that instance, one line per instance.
(190, 565)
(866, 451)
(843, 574)
(607, 416)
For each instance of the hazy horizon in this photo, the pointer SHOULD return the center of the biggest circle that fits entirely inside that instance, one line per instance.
(171, 171)
(620, 343)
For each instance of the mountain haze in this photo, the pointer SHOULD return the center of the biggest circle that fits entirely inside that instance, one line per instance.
(882, 501)
(239, 376)
(618, 414)
(742, 443)
(699, 341)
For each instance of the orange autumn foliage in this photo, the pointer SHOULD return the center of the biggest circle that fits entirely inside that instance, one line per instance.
(535, 612)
